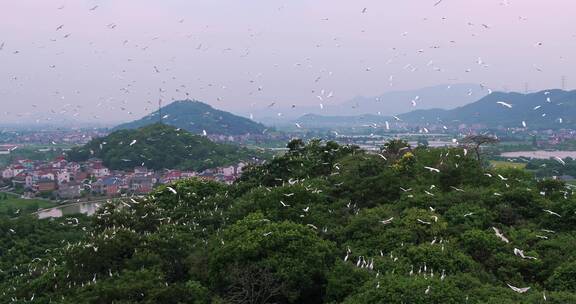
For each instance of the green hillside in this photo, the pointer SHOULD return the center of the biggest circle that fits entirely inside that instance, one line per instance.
(323, 223)
(159, 146)
(12, 205)
(197, 117)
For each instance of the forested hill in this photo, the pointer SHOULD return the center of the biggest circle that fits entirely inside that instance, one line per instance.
(321, 224)
(197, 117)
(159, 146)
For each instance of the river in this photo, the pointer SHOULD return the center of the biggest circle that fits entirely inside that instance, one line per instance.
(540, 154)
(88, 208)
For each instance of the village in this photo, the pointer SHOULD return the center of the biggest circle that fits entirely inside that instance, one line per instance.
(60, 179)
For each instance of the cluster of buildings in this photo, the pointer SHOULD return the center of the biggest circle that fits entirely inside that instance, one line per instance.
(62, 179)
(250, 138)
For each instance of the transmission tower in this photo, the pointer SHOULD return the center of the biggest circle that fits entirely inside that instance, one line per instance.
(160, 109)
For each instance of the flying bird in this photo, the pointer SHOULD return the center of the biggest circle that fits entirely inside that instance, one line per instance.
(423, 222)
(432, 169)
(558, 159)
(520, 253)
(457, 189)
(552, 212)
(312, 226)
(388, 221)
(172, 190)
(500, 235)
(509, 106)
(519, 290)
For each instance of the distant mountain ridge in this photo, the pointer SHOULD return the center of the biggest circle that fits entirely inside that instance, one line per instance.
(395, 102)
(447, 96)
(549, 109)
(196, 117)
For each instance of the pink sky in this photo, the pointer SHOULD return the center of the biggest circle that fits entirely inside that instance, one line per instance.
(241, 54)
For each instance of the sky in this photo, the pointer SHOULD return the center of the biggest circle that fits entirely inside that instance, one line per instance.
(113, 61)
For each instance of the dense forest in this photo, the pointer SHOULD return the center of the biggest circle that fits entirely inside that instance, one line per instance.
(322, 223)
(160, 146)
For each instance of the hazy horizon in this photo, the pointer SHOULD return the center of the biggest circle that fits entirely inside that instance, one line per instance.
(111, 61)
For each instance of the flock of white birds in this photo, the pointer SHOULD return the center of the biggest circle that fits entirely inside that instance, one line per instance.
(134, 96)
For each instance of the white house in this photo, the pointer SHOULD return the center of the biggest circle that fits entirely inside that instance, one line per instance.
(46, 176)
(62, 176)
(12, 171)
(29, 181)
(229, 171)
(99, 171)
(7, 173)
(73, 167)
(239, 168)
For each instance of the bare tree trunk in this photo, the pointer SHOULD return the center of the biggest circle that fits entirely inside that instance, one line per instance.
(252, 285)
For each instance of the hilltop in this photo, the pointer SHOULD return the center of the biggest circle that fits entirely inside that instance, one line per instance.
(159, 146)
(197, 117)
